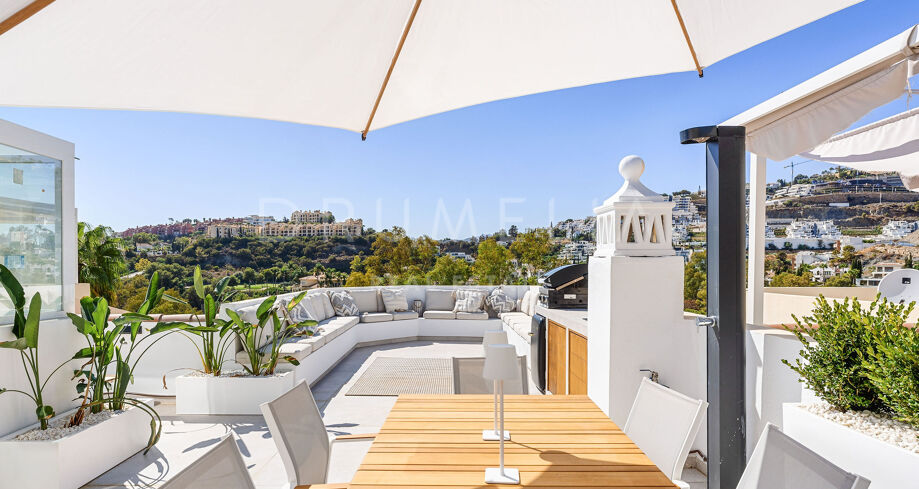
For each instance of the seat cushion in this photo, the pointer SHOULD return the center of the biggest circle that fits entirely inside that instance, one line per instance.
(521, 326)
(439, 315)
(394, 300)
(472, 315)
(507, 317)
(366, 299)
(398, 316)
(439, 300)
(375, 317)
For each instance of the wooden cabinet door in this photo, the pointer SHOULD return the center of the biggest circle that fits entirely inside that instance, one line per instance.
(556, 358)
(577, 363)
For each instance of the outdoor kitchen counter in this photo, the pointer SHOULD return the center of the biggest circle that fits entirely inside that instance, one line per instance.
(566, 350)
(573, 319)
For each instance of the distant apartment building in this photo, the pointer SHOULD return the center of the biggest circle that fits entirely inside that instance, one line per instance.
(346, 228)
(897, 230)
(574, 227)
(577, 252)
(459, 255)
(232, 230)
(881, 270)
(822, 273)
(796, 190)
(311, 217)
(254, 220)
(804, 229)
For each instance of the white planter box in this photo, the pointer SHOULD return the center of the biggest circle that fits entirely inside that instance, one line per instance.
(76, 459)
(886, 465)
(228, 395)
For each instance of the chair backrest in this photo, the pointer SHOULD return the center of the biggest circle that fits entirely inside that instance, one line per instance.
(467, 377)
(663, 423)
(780, 462)
(222, 467)
(298, 431)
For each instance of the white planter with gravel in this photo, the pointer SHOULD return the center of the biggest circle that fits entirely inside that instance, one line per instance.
(859, 446)
(77, 457)
(229, 393)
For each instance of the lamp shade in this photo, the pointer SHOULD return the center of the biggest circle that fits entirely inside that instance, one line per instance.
(501, 363)
(494, 337)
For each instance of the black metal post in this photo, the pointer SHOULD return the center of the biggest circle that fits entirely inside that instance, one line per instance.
(725, 162)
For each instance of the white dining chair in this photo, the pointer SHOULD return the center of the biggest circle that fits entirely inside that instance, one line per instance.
(664, 423)
(468, 379)
(222, 467)
(780, 462)
(303, 442)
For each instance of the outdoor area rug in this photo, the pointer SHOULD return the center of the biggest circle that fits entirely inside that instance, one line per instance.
(389, 376)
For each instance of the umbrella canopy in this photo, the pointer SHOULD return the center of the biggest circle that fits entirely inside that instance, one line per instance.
(360, 64)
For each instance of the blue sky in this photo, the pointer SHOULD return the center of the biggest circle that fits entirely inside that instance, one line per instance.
(524, 161)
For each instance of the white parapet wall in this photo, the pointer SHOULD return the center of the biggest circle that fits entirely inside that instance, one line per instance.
(635, 322)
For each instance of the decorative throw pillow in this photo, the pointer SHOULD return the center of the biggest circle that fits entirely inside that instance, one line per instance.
(317, 306)
(344, 304)
(394, 300)
(499, 301)
(469, 301)
(327, 305)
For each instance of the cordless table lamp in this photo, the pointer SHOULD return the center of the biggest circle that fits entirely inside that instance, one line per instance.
(501, 364)
(494, 337)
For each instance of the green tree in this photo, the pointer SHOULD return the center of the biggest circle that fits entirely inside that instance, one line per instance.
(788, 279)
(533, 250)
(695, 283)
(145, 238)
(358, 279)
(492, 264)
(449, 271)
(142, 265)
(101, 259)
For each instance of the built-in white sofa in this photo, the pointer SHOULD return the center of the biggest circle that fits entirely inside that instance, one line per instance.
(336, 336)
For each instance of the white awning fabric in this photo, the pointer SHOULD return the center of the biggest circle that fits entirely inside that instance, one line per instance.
(807, 115)
(343, 63)
(888, 145)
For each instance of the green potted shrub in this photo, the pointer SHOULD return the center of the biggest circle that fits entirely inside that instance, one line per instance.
(863, 362)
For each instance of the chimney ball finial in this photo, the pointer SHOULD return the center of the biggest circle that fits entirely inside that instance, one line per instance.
(631, 167)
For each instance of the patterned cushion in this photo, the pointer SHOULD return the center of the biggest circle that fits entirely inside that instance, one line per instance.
(394, 300)
(344, 304)
(469, 301)
(499, 301)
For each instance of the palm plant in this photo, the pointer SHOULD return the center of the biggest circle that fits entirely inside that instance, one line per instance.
(101, 259)
(25, 329)
(263, 361)
(214, 332)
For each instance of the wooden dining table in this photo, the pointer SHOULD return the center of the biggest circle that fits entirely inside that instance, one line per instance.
(433, 441)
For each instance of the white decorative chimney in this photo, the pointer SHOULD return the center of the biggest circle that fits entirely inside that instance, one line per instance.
(635, 221)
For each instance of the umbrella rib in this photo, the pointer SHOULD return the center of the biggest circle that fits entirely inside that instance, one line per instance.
(23, 14)
(692, 50)
(392, 64)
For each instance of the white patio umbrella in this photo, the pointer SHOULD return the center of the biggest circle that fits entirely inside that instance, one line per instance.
(360, 64)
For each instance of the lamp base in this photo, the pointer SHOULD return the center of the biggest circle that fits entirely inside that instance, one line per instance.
(493, 475)
(492, 435)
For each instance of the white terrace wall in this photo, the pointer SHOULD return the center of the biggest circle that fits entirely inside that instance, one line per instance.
(780, 303)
